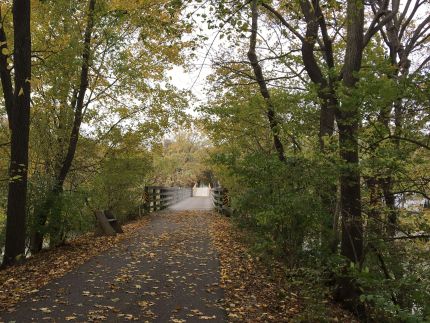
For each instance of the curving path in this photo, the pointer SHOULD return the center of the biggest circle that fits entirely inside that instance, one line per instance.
(169, 273)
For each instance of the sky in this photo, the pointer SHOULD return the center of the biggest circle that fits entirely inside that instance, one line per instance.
(194, 77)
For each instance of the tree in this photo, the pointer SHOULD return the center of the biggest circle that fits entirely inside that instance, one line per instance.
(258, 72)
(111, 80)
(181, 161)
(18, 110)
(347, 116)
(341, 49)
(77, 104)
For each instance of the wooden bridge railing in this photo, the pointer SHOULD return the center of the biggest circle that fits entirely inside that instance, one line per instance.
(221, 201)
(158, 197)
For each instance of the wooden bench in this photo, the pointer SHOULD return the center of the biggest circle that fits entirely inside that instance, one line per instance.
(107, 223)
(113, 221)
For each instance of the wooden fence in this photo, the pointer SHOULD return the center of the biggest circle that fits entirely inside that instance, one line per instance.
(221, 201)
(158, 197)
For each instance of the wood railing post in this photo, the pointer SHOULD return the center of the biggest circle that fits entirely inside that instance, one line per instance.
(221, 201)
(157, 198)
(146, 205)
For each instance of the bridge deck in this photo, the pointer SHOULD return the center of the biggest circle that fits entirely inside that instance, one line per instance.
(193, 203)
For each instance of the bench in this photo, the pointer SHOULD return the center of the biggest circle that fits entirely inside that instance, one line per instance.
(107, 223)
(113, 221)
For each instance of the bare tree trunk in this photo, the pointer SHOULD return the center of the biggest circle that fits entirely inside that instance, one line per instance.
(20, 128)
(78, 105)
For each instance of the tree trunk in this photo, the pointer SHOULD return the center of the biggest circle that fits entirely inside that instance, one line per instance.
(78, 105)
(258, 72)
(74, 136)
(348, 116)
(6, 79)
(20, 125)
(348, 122)
(326, 93)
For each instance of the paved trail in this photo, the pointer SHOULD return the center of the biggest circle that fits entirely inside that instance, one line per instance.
(193, 203)
(169, 273)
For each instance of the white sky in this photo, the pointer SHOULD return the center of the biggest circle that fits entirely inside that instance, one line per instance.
(194, 76)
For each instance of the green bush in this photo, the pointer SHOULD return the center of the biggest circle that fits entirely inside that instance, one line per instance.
(119, 185)
(282, 202)
(68, 217)
(67, 214)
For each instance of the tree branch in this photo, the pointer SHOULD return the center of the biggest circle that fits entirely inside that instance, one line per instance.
(252, 56)
(283, 21)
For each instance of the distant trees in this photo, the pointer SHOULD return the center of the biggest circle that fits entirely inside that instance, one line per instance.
(181, 161)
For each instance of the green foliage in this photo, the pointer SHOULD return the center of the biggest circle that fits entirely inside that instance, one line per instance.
(181, 161)
(67, 214)
(406, 287)
(128, 106)
(280, 201)
(285, 204)
(67, 218)
(119, 185)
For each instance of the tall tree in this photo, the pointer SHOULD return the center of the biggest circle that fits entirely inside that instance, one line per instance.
(78, 100)
(348, 119)
(103, 70)
(403, 34)
(19, 120)
(77, 104)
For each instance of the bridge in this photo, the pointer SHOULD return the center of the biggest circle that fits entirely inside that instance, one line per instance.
(158, 198)
(195, 203)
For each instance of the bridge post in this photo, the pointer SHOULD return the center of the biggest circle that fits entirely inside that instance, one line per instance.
(146, 201)
(221, 201)
(157, 198)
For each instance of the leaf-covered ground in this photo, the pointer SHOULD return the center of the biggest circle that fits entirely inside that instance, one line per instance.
(21, 281)
(166, 272)
(256, 293)
(189, 266)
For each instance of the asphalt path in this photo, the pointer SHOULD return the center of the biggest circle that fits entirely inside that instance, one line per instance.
(167, 273)
(193, 203)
